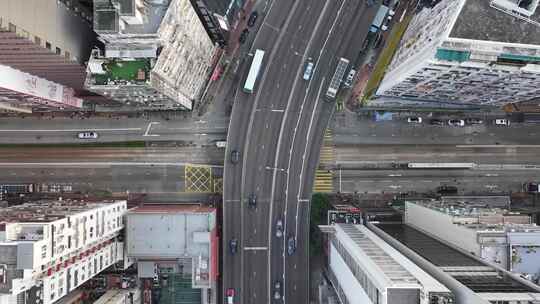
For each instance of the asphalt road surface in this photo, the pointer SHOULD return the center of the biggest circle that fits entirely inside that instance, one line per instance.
(278, 131)
(423, 181)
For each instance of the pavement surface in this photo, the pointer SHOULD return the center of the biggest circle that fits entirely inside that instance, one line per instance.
(278, 132)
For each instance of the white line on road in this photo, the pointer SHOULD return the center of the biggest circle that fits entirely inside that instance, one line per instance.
(394, 175)
(276, 110)
(72, 130)
(255, 248)
(147, 133)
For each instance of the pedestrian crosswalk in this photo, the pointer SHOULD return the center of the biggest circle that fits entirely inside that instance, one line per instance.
(324, 177)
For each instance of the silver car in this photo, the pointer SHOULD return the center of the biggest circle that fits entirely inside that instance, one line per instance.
(279, 228)
(309, 70)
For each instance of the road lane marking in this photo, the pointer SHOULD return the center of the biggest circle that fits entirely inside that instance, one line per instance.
(147, 132)
(255, 248)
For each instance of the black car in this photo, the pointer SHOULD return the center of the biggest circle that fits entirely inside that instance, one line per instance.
(243, 36)
(233, 246)
(235, 157)
(252, 201)
(436, 122)
(252, 18)
(445, 189)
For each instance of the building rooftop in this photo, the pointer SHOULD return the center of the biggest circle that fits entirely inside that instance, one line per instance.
(480, 21)
(389, 267)
(474, 274)
(107, 16)
(117, 71)
(46, 210)
(475, 213)
(170, 208)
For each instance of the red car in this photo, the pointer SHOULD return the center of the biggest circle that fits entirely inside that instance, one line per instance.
(230, 296)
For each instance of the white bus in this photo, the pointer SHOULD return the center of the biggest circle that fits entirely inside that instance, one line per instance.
(335, 83)
(254, 71)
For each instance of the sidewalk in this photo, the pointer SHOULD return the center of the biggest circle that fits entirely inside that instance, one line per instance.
(224, 73)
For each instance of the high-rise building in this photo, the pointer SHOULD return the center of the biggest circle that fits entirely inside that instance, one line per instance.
(177, 244)
(494, 234)
(157, 54)
(49, 248)
(44, 45)
(365, 269)
(466, 52)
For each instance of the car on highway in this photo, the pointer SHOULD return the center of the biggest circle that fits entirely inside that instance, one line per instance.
(230, 296)
(309, 69)
(252, 18)
(87, 135)
(277, 290)
(279, 228)
(456, 122)
(233, 246)
(474, 121)
(350, 78)
(291, 245)
(502, 122)
(436, 122)
(414, 120)
(243, 36)
(235, 157)
(252, 201)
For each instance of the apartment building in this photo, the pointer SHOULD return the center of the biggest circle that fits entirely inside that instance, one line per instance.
(157, 54)
(44, 47)
(468, 53)
(49, 248)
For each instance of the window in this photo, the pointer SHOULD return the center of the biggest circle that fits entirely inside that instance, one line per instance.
(48, 45)
(37, 40)
(58, 51)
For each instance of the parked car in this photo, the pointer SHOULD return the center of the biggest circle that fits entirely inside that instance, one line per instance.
(415, 120)
(502, 122)
(252, 18)
(445, 189)
(456, 122)
(87, 135)
(233, 246)
(243, 36)
(230, 296)
(350, 78)
(235, 157)
(532, 187)
(279, 228)
(436, 122)
(474, 121)
(309, 69)
(252, 201)
(277, 290)
(291, 245)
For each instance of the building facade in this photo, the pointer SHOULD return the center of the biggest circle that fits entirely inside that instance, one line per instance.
(49, 248)
(509, 240)
(466, 52)
(364, 269)
(43, 41)
(156, 55)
